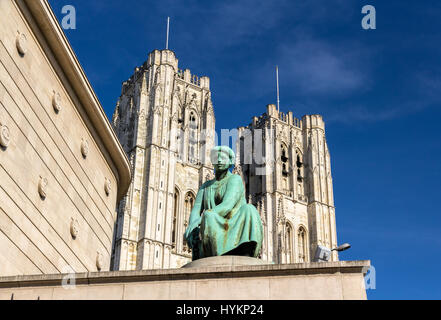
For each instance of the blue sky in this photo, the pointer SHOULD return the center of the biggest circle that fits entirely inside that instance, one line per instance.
(379, 92)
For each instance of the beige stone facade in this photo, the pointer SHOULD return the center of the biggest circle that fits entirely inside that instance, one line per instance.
(62, 169)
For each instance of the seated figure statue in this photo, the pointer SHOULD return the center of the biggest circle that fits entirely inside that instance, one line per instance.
(221, 221)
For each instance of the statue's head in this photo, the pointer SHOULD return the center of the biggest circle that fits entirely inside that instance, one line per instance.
(222, 158)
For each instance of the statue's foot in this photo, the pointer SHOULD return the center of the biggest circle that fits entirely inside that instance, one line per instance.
(245, 250)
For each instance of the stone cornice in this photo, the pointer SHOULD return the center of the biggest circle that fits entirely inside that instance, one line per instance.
(322, 203)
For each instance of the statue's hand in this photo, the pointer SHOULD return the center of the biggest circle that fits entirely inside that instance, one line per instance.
(192, 232)
(193, 238)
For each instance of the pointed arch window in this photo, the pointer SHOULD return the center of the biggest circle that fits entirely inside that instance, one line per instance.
(175, 217)
(288, 243)
(300, 176)
(188, 206)
(284, 158)
(179, 144)
(193, 138)
(299, 164)
(193, 126)
(301, 241)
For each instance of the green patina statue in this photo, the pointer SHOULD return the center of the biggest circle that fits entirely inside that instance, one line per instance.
(221, 221)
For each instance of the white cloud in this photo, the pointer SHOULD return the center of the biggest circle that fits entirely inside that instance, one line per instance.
(315, 67)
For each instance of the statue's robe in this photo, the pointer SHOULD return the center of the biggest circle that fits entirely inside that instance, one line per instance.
(226, 224)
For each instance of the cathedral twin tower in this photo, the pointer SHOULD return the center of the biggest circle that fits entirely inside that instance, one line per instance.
(165, 122)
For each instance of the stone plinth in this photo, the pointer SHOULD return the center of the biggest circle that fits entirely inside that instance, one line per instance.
(224, 261)
(330, 280)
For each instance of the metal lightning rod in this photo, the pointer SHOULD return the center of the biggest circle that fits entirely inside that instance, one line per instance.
(168, 30)
(277, 80)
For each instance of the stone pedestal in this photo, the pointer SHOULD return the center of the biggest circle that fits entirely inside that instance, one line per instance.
(224, 261)
(327, 280)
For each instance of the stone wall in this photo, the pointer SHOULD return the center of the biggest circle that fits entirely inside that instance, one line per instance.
(304, 281)
(62, 169)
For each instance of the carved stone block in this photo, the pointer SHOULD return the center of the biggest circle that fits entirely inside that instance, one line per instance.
(84, 148)
(99, 261)
(42, 187)
(56, 102)
(74, 228)
(4, 136)
(21, 43)
(107, 186)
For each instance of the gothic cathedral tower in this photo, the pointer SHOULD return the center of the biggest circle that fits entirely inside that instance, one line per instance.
(285, 165)
(165, 121)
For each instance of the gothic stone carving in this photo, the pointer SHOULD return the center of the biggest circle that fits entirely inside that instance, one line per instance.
(22, 43)
(74, 228)
(4, 135)
(99, 261)
(56, 102)
(107, 186)
(84, 148)
(42, 187)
